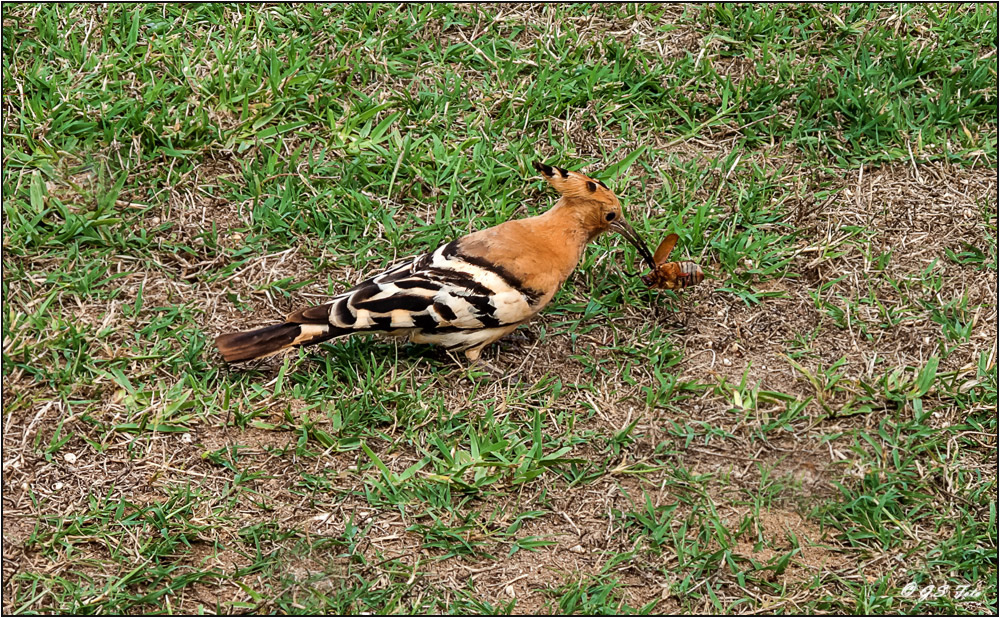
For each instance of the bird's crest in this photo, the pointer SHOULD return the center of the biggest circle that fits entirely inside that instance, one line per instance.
(573, 184)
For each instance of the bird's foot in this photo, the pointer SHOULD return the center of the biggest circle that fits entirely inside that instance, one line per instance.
(494, 371)
(477, 362)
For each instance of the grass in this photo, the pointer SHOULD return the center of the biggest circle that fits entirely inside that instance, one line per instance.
(811, 430)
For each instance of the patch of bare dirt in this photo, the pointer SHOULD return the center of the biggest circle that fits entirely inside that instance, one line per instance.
(778, 532)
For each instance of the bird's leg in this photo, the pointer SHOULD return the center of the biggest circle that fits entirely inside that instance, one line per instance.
(474, 355)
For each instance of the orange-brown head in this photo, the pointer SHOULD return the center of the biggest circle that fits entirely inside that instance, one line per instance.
(595, 205)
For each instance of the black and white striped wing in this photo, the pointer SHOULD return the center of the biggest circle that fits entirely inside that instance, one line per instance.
(436, 297)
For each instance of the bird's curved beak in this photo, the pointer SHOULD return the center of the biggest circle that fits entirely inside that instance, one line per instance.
(621, 226)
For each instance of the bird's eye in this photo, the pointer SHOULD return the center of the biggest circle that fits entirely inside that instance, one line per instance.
(610, 216)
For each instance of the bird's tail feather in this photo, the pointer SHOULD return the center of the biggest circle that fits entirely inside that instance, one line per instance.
(236, 347)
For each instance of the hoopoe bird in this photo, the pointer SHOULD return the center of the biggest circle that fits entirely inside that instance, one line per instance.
(466, 294)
